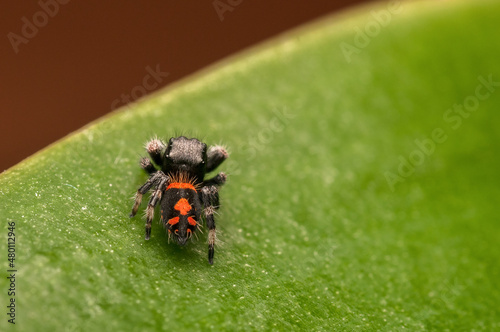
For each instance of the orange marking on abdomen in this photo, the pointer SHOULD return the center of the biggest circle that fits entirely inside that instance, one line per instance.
(181, 185)
(191, 221)
(183, 206)
(173, 221)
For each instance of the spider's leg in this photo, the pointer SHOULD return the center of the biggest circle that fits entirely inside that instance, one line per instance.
(210, 199)
(153, 201)
(154, 180)
(155, 148)
(217, 180)
(147, 165)
(215, 156)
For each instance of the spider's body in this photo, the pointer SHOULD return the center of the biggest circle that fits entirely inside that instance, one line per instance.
(180, 188)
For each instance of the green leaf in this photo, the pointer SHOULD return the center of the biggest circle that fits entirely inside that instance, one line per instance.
(362, 190)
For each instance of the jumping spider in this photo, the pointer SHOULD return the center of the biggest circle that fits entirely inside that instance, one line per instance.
(180, 188)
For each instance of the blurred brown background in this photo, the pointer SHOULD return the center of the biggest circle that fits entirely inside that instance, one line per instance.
(65, 63)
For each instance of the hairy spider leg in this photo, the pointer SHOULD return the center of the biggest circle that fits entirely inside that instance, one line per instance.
(155, 148)
(153, 201)
(210, 199)
(153, 181)
(215, 156)
(147, 165)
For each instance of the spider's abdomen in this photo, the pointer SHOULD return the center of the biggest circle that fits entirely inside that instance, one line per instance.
(181, 210)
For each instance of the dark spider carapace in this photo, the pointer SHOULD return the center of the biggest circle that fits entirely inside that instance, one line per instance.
(180, 188)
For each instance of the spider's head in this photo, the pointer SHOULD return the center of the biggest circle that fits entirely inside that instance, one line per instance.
(188, 156)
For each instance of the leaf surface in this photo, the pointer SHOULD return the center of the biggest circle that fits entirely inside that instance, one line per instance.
(362, 191)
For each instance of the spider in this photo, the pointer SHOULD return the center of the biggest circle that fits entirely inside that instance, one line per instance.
(180, 188)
